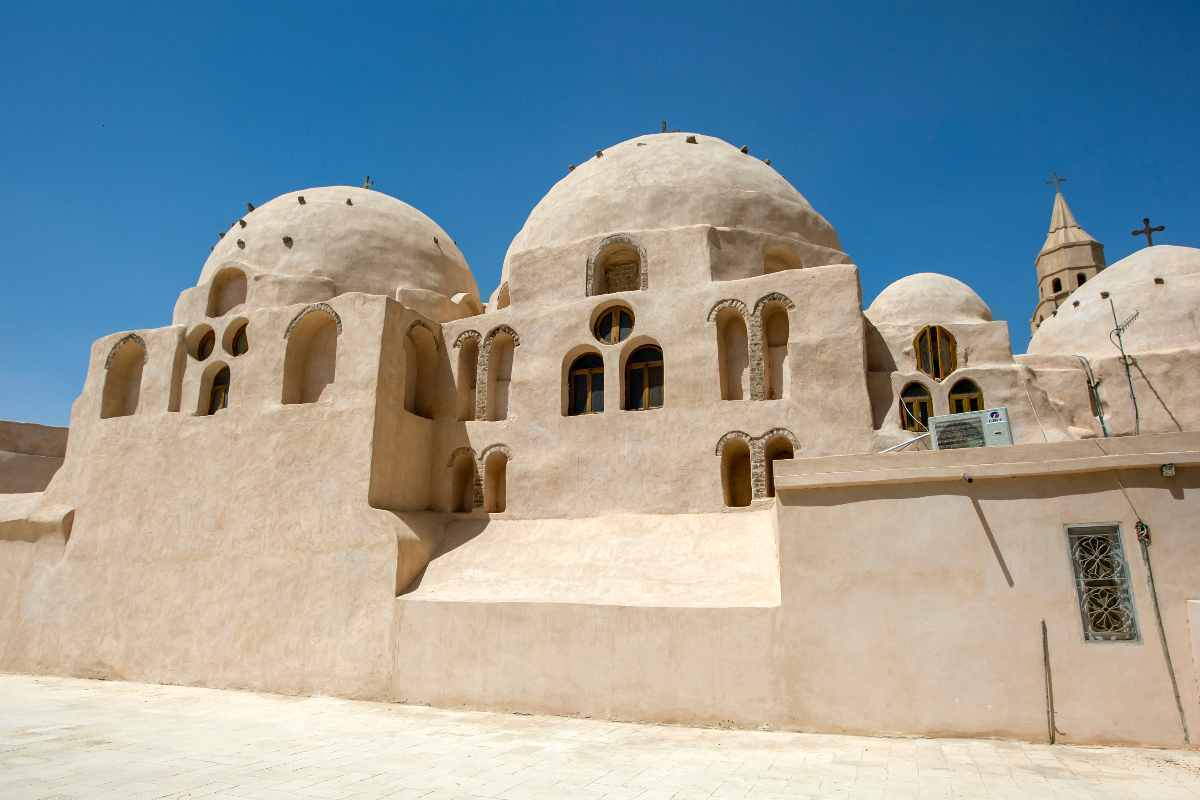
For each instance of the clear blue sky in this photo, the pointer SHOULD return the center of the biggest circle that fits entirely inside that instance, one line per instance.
(133, 134)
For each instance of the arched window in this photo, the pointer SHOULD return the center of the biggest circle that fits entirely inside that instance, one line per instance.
(777, 448)
(735, 473)
(585, 385)
(462, 484)
(644, 379)
(936, 351)
(495, 488)
(420, 358)
(310, 363)
(916, 407)
(500, 365)
(775, 334)
(616, 267)
(1080, 279)
(227, 292)
(214, 390)
(468, 361)
(965, 396)
(733, 356)
(1056, 285)
(613, 325)
(123, 378)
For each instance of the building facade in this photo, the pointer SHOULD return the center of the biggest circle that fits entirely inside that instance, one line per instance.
(643, 481)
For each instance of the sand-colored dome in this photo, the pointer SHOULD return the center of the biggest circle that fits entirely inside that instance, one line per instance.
(1168, 312)
(662, 181)
(928, 298)
(363, 240)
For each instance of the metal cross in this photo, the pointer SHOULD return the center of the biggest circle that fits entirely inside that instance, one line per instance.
(1148, 232)
(1055, 179)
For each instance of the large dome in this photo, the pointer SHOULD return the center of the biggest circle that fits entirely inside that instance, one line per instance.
(1168, 311)
(663, 181)
(928, 298)
(363, 240)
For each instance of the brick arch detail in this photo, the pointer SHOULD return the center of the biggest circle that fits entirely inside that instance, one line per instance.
(124, 340)
(758, 454)
(721, 305)
(323, 308)
(589, 288)
(483, 366)
(757, 343)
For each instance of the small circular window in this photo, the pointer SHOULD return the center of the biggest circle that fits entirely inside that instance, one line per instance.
(201, 342)
(614, 325)
(236, 341)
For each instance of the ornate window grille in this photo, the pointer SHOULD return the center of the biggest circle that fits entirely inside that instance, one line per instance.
(1102, 583)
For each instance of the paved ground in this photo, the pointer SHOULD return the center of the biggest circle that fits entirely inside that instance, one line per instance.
(62, 738)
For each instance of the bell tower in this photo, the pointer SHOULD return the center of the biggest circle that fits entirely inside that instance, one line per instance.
(1069, 258)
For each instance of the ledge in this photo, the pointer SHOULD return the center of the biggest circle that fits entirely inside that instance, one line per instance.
(987, 463)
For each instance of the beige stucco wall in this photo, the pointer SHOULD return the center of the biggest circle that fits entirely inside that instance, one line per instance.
(29, 455)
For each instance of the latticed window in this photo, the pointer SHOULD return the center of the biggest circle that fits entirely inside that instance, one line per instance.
(936, 351)
(1102, 583)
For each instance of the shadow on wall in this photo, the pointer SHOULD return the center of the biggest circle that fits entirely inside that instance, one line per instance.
(438, 534)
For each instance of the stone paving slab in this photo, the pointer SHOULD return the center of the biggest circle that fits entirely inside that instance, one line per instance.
(62, 739)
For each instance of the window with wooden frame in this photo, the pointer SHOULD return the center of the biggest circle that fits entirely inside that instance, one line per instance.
(614, 325)
(585, 385)
(916, 407)
(965, 396)
(218, 394)
(936, 351)
(644, 379)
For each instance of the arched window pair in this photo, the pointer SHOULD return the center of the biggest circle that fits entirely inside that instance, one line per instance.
(916, 403)
(643, 385)
(491, 356)
(738, 455)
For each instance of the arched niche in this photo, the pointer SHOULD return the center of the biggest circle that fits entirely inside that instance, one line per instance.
(775, 340)
(227, 291)
(123, 377)
(777, 445)
(495, 478)
(733, 353)
(420, 358)
(618, 264)
(499, 352)
(310, 362)
(736, 471)
(464, 480)
(466, 374)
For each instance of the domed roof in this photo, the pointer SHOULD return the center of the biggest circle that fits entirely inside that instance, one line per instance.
(363, 240)
(928, 298)
(1168, 312)
(663, 181)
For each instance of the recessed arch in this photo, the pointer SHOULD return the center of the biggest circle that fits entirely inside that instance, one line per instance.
(733, 349)
(495, 460)
(773, 297)
(1056, 285)
(420, 358)
(916, 407)
(466, 376)
(227, 291)
(497, 354)
(466, 486)
(123, 377)
(734, 448)
(965, 395)
(583, 382)
(310, 360)
(214, 389)
(643, 375)
(1080, 279)
(617, 264)
(777, 444)
(201, 341)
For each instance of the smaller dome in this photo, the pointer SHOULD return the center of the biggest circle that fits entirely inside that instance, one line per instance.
(1160, 283)
(928, 298)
